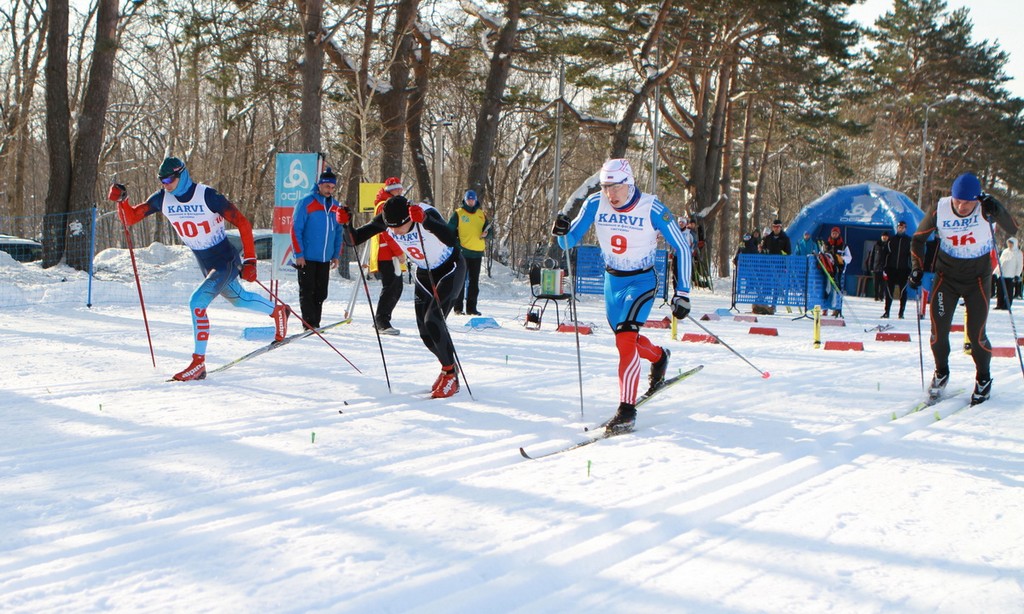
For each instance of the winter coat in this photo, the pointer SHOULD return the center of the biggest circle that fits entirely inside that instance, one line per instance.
(777, 244)
(879, 257)
(316, 234)
(899, 254)
(1011, 261)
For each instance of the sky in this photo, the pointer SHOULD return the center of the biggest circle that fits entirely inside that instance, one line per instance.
(994, 20)
(292, 483)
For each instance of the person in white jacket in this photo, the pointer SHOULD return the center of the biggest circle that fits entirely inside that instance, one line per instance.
(1011, 262)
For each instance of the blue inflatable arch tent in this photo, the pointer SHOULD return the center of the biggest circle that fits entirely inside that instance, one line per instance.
(861, 211)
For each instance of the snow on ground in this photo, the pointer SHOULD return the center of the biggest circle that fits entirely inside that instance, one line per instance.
(292, 483)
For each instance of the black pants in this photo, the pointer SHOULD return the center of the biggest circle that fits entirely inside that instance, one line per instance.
(879, 277)
(896, 278)
(390, 291)
(1004, 300)
(946, 294)
(313, 284)
(430, 313)
(473, 277)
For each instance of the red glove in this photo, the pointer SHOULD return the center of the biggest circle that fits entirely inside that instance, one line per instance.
(417, 214)
(118, 192)
(249, 269)
(343, 215)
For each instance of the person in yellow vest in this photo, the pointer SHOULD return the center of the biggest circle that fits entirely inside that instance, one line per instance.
(387, 260)
(471, 224)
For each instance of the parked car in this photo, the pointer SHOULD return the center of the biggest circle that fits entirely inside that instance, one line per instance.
(22, 250)
(262, 237)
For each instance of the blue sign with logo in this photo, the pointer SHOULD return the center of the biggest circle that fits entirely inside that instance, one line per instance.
(295, 176)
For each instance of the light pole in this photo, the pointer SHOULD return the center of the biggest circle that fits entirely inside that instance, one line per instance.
(440, 125)
(924, 144)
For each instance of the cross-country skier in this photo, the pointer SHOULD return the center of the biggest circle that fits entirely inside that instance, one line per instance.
(197, 213)
(963, 269)
(427, 240)
(627, 223)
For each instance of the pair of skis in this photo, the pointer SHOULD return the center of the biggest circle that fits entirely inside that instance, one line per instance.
(273, 345)
(672, 381)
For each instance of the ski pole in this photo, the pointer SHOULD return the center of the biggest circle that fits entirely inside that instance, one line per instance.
(764, 374)
(444, 323)
(920, 346)
(575, 324)
(306, 324)
(138, 283)
(373, 316)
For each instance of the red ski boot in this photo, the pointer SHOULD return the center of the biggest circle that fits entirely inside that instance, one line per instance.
(280, 316)
(447, 386)
(196, 370)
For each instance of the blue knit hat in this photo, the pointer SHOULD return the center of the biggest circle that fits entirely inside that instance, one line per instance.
(966, 187)
(328, 176)
(470, 194)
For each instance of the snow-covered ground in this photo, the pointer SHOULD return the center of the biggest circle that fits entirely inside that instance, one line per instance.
(292, 483)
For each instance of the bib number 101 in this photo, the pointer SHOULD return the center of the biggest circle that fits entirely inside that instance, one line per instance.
(191, 229)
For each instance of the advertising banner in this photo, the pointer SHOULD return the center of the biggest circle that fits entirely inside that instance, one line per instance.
(294, 178)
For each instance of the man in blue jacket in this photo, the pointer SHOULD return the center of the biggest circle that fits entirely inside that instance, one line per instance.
(316, 241)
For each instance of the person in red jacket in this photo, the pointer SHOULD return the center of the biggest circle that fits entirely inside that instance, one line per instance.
(197, 213)
(389, 262)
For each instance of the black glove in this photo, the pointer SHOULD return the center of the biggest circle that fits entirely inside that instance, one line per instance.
(561, 226)
(989, 206)
(680, 306)
(915, 278)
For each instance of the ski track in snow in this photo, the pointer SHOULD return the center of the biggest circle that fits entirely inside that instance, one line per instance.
(124, 492)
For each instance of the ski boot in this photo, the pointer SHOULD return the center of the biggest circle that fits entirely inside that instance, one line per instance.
(196, 370)
(280, 315)
(937, 387)
(447, 385)
(982, 391)
(623, 421)
(658, 369)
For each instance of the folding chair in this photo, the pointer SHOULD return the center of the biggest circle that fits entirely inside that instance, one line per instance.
(546, 286)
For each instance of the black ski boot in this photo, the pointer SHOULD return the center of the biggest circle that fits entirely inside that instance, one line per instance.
(624, 420)
(658, 369)
(937, 387)
(982, 391)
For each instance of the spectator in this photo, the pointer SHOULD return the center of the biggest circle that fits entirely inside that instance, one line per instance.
(776, 242)
(387, 262)
(876, 264)
(837, 254)
(963, 268)
(472, 226)
(897, 269)
(806, 246)
(197, 213)
(1010, 265)
(316, 241)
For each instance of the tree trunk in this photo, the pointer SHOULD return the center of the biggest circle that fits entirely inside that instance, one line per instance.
(89, 139)
(393, 103)
(312, 77)
(58, 133)
(490, 108)
(417, 103)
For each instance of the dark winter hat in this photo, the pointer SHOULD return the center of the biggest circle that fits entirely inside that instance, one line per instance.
(777, 222)
(470, 195)
(328, 176)
(171, 167)
(885, 233)
(396, 211)
(966, 187)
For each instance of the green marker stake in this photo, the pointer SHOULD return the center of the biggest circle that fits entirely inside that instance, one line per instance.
(588, 469)
(312, 438)
(101, 406)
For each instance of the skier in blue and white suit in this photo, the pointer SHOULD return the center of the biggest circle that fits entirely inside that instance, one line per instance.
(627, 223)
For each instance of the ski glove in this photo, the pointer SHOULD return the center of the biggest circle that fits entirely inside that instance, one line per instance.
(561, 226)
(417, 214)
(989, 206)
(680, 306)
(118, 192)
(249, 269)
(915, 278)
(344, 215)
